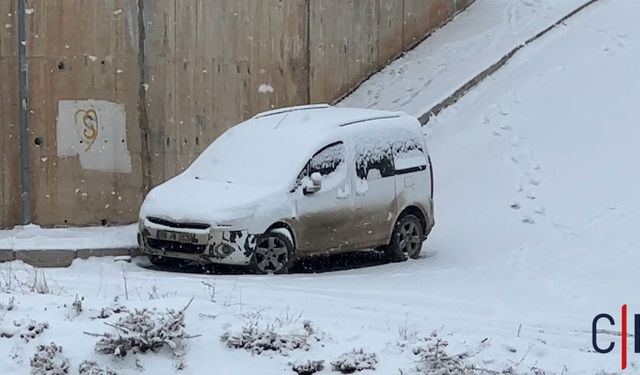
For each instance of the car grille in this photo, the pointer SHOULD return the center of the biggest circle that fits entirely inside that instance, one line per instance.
(173, 224)
(178, 247)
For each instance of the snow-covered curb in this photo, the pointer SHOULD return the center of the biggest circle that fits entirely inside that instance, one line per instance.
(62, 258)
(58, 247)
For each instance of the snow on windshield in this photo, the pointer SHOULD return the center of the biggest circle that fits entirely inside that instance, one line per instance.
(251, 158)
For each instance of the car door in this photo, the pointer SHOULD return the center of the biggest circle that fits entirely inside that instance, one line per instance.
(323, 217)
(374, 189)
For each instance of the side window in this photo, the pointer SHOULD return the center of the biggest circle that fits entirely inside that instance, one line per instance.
(408, 154)
(326, 161)
(374, 160)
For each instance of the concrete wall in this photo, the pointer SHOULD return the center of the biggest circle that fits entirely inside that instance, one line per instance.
(84, 51)
(124, 94)
(205, 62)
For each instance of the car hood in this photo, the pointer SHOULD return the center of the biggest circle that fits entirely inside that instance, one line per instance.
(187, 199)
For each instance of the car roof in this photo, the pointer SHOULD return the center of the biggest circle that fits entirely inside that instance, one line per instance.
(318, 120)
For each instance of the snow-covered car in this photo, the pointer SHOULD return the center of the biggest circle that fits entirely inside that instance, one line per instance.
(296, 182)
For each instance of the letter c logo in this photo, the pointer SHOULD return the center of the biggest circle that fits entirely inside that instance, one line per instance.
(594, 333)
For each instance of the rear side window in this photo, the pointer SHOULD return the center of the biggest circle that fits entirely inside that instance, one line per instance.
(373, 158)
(408, 154)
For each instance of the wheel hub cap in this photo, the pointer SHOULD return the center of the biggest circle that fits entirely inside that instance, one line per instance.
(271, 255)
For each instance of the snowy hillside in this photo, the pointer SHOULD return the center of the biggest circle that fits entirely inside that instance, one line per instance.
(470, 43)
(536, 232)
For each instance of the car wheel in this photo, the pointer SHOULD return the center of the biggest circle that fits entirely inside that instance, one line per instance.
(273, 254)
(406, 240)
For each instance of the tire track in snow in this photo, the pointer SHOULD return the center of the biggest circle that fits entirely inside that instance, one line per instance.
(471, 84)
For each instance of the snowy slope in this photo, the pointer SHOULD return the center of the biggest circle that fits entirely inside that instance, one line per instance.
(451, 56)
(536, 233)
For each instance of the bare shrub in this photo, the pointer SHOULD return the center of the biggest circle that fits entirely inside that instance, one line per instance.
(24, 281)
(145, 330)
(76, 306)
(92, 368)
(32, 329)
(355, 360)
(106, 312)
(7, 277)
(257, 340)
(154, 294)
(9, 305)
(25, 329)
(277, 336)
(211, 290)
(40, 284)
(434, 360)
(49, 360)
(307, 367)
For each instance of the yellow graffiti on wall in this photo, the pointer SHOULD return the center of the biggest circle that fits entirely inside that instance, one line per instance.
(89, 122)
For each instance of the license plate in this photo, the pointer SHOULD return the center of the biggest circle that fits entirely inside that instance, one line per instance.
(177, 236)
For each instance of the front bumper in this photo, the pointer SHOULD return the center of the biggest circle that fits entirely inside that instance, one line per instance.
(212, 245)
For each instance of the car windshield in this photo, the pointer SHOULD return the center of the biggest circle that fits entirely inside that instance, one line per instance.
(250, 161)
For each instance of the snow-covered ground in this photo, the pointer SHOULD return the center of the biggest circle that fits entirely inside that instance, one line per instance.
(536, 214)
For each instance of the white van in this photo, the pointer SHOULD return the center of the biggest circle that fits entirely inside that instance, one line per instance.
(296, 182)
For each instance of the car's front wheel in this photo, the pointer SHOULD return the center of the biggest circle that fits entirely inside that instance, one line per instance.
(273, 254)
(406, 240)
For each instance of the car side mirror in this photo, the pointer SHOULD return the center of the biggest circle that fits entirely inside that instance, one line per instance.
(313, 184)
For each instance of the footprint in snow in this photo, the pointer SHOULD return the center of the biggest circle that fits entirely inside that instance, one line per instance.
(528, 220)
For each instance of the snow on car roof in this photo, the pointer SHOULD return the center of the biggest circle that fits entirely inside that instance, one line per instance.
(272, 147)
(322, 117)
(291, 109)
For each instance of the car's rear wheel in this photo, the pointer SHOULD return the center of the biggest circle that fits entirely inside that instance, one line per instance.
(406, 240)
(273, 254)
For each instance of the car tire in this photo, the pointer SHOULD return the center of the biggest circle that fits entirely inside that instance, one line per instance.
(406, 239)
(273, 254)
